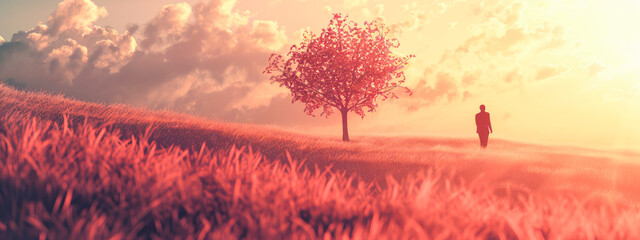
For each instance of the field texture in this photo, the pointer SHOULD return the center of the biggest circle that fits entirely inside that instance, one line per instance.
(75, 170)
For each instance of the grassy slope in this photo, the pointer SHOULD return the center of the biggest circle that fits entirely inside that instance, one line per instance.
(538, 168)
(505, 168)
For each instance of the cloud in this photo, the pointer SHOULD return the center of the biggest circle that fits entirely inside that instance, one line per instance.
(74, 14)
(36, 37)
(378, 10)
(442, 7)
(513, 76)
(408, 6)
(432, 88)
(327, 10)
(508, 14)
(164, 29)
(549, 71)
(513, 13)
(205, 58)
(416, 20)
(68, 59)
(452, 25)
(366, 13)
(501, 51)
(595, 68)
(557, 38)
(350, 4)
(1, 40)
(269, 35)
(471, 77)
(507, 42)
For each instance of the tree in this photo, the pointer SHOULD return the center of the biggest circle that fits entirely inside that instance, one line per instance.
(347, 68)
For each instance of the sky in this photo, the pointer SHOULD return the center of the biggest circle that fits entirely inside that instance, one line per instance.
(550, 72)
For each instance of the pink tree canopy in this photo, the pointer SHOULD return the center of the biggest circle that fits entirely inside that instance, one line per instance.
(348, 67)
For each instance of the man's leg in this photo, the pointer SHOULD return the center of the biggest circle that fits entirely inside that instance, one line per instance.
(484, 138)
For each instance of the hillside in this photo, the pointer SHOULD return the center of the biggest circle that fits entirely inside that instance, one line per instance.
(72, 166)
(539, 168)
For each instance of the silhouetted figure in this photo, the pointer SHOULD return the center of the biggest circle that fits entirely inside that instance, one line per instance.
(483, 126)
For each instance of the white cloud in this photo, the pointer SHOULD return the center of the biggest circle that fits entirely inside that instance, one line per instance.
(595, 68)
(327, 10)
(549, 71)
(409, 6)
(166, 27)
(59, 50)
(377, 12)
(379, 9)
(75, 14)
(366, 13)
(442, 7)
(68, 59)
(205, 58)
(502, 51)
(269, 35)
(350, 4)
(416, 19)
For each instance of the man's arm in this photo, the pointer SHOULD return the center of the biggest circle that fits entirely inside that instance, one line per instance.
(489, 121)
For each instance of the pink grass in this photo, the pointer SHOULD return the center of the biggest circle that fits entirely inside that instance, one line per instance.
(64, 177)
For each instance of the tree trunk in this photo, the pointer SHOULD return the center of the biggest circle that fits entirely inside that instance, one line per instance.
(345, 132)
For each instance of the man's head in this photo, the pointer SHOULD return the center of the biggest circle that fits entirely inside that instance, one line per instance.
(482, 107)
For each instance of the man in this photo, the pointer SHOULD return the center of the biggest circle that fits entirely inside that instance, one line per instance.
(483, 126)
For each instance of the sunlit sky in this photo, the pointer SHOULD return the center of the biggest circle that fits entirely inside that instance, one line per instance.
(554, 72)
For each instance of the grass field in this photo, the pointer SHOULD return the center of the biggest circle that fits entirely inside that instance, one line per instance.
(71, 169)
